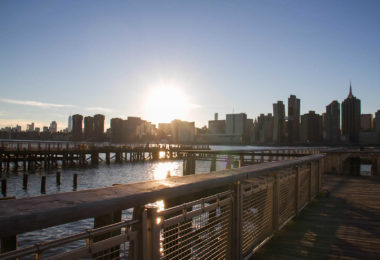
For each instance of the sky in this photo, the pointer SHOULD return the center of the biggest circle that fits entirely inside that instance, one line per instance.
(161, 60)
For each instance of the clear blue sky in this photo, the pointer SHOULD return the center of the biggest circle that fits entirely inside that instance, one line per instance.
(64, 57)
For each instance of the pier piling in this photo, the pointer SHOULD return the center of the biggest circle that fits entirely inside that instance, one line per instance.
(58, 178)
(4, 187)
(25, 181)
(43, 184)
(75, 181)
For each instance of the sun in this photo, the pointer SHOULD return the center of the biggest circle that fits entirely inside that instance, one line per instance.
(165, 103)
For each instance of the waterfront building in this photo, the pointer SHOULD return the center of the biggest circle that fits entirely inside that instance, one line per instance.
(130, 129)
(235, 124)
(53, 127)
(76, 132)
(99, 127)
(88, 128)
(294, 108)
(377, 121)
(351, 118)
(30, 127)
(332, 123)
(311, 128)
(45, 129)
(366, 122)
(37, 130)
(279, 122)
(217, 126)
(183, 132)
(70, 123)
(116, 130)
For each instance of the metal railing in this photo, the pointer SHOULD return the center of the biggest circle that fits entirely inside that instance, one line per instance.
(249, 206)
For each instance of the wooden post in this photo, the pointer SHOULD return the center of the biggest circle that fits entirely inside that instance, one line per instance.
(58, 178)
(43, 184)
(25, 181)
(108, 160)
(75, 181)
(4, 187)
(229, 161)
(213, 163)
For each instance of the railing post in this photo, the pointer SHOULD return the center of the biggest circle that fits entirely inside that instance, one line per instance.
(153, 234)
(236, 236)
(321, 169)
(297, 190)
(310, 179)
(276, 200)
(139, 246)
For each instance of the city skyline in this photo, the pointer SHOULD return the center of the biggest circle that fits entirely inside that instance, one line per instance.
(117, 59)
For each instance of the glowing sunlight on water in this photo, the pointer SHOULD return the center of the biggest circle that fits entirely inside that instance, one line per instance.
(161, 170)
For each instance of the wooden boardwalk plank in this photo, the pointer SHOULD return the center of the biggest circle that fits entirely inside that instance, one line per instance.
(345, 224)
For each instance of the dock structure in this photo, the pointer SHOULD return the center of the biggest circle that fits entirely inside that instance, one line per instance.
(30, 156)
(228, 214)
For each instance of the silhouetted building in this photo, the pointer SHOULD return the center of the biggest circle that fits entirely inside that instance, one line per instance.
(279, 122)
(30, 127)
(116, 130)
(217, 126)
(70, 124)
(130, 129)
(294, 108)
(183, 132)
(99, 127)
(235, 123)
(89, 128)
(53, 127)
(311, 128)
(77, 127)
(332, 123)
(366, 122)
(351, 118)
(377, 121)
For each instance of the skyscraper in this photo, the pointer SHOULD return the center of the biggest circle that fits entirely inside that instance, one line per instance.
(351, 118)
(311, 128)
(53, 127)
(279, 122)
(99, 127)
(294, 107)
(332, 123)
(88, 128)
(70, 124)
(77, 127)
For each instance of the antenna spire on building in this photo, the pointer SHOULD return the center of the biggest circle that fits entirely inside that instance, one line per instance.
(350, 94)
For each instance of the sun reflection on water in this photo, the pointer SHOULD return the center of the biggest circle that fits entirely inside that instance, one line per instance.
(164, 169)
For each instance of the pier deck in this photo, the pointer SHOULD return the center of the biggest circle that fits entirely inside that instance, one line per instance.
(343, 224)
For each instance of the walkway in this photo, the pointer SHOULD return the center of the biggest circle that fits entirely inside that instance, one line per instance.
(343, 223)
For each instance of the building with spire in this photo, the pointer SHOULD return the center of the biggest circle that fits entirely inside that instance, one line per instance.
(351, 111)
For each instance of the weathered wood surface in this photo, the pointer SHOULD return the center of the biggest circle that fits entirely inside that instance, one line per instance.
(27, 214)
(343, 225)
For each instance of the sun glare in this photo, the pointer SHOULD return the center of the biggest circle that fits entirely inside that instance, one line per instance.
(165, 103)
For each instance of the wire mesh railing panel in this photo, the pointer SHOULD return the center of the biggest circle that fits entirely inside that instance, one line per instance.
(257, 213)
(304, 185)
(197, 230)
(287, 207)
(82, 245)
